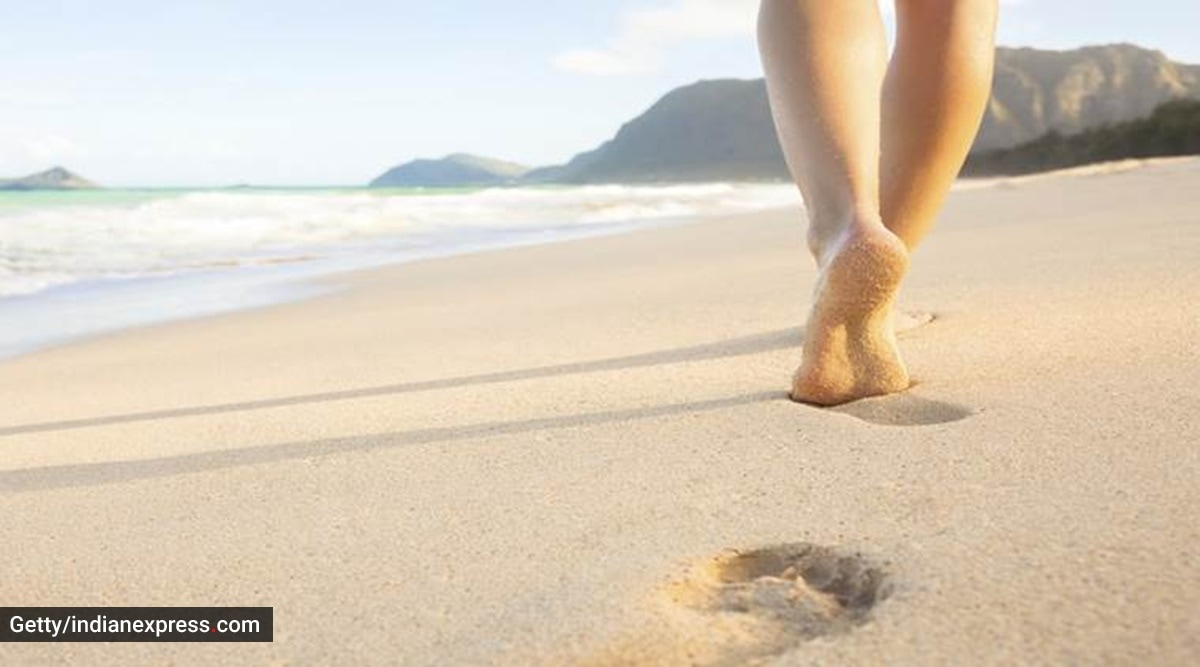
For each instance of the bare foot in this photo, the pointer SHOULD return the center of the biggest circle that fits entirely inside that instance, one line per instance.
(850, 344)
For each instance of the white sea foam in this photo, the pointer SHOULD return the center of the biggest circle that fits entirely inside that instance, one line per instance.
(45, 242)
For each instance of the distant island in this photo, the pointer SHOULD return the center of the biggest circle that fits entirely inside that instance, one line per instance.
(457, 170)
(722, 130)
(56, 178)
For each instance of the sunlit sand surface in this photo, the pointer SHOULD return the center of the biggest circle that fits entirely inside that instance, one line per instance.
(584, 452)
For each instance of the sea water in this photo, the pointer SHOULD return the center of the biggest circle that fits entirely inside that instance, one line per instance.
(75, 264)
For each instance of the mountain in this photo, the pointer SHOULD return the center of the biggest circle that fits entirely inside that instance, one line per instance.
(1172, 129)
(1036, 91)
(722, 130)
(458, 170)
(53, 179)
(708, 131)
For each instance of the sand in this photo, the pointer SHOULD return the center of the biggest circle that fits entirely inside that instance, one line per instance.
(583, 453)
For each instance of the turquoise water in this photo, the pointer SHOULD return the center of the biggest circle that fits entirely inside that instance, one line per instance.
(77, 263)
(18, 201)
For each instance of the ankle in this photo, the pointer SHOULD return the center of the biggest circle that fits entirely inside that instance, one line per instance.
(826, 234)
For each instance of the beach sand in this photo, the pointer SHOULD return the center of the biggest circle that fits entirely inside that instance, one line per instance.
(547, 454)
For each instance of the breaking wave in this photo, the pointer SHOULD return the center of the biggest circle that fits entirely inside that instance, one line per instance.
(60, 238)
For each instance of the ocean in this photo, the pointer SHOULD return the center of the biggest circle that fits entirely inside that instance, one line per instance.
(75, 264)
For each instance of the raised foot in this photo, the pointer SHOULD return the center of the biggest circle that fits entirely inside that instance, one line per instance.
(850, 344)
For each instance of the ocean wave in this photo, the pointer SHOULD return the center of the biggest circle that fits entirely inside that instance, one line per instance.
(113, 235)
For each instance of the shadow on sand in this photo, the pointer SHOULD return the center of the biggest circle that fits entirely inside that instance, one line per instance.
(89, 474)
(900, 410)
(735, 347)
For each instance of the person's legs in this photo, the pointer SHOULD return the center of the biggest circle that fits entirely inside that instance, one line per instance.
(825, 62)
(934, 96)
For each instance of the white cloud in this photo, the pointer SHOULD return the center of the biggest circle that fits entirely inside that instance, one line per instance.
(647, 34)
(690, 19)
(613, 62)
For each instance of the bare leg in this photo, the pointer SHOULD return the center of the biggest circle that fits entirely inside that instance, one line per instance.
(933, 100)
(825, 62)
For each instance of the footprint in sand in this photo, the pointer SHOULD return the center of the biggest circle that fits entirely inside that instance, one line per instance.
(745, 607)
(908, 320)
(906, 409)
(810, 590)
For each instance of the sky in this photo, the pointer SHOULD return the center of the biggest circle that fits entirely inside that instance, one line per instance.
(313, 92)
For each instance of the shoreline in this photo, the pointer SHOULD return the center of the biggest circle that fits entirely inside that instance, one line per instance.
(199, 294)
(127, 304)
